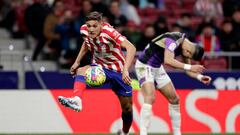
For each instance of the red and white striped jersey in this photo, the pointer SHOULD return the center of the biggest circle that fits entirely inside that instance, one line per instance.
(106, 47)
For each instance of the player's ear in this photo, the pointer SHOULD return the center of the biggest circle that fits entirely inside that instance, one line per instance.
(198, 53)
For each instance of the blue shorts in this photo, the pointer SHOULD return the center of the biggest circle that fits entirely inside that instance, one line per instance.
(118, 86)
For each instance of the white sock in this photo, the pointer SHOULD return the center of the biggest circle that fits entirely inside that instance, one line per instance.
(145, 117)
(77, 98)
(175, 115)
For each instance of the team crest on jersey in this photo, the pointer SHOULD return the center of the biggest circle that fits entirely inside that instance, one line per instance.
(172, 46)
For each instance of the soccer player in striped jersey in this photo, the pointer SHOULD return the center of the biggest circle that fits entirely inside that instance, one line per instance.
(151, 74)
(105, 44)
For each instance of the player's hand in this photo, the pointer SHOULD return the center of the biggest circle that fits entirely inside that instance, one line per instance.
(206, 79)
(125, 77)
(197, 68)
(73, 69)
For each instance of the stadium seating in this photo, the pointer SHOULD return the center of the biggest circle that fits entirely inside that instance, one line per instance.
(215, 63)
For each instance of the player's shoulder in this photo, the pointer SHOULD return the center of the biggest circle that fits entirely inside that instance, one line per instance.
(106, 27)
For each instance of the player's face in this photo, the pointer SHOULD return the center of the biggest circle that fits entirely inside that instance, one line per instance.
(186, 53)
(94, 28)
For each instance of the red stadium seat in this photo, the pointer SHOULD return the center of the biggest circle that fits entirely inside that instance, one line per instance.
(215, 63)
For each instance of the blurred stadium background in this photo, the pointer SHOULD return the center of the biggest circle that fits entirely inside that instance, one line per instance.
(39, 41)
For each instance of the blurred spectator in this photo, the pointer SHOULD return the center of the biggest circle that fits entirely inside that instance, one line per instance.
(116, 18)
(135, 3)
(148, 3)
(185, 22)
(66, 30)
(53, 39)
(85, 10)
(161, 4)
(4, 8)
(176, 28)
(37, 12)
(229, 6)
(227, 38)
(132, 33)
(9, 17)
(161, 25)
(99, 6)
(208, 40)
(20, 28)
(148, 34)
(130, 12)
(13, 21)
(236, 31)
(73, 5)
(236, 23)
(207, 20)
(212, 8)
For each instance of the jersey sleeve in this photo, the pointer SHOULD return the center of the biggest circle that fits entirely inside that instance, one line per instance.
(83, 30)
(113, 34)
(170, 44)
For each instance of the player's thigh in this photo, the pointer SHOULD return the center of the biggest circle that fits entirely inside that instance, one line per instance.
(126, 103)
(165, 85)
(169, 92)
(144, 73)
(161, 77)
(82, 70)
(119, 87)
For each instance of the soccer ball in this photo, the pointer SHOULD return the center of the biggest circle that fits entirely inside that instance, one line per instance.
(95, 76)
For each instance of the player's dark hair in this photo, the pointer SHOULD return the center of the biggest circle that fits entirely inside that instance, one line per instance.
(94, 16)
(198, 54)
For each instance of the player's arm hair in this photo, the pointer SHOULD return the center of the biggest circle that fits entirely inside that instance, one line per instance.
(131, 50)
(171, 61)
(82, 52)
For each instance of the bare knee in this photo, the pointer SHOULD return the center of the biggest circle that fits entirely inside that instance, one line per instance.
(127, 108)
(82, 70)
(150, 98)
(148, 91)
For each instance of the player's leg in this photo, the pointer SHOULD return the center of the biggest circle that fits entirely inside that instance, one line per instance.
(164, 84)
(127, 113)
(75, 102)
(174, 108)
(80, 82)
(148, 91)
(146, 80)
(124, 93)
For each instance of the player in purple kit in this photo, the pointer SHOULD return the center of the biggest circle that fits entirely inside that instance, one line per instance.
(151, 74)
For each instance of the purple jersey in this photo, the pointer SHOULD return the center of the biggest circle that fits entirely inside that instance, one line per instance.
(153, 54)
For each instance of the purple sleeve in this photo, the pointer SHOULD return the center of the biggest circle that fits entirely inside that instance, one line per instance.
(170, 44)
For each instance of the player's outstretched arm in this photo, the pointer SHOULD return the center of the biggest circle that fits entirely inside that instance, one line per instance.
(82, 52)
(171, 61)
(131, 50)
(202, 78)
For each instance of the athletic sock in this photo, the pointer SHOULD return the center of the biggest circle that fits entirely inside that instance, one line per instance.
(79, 86)
(127, 122)
(145, 118)
(175, 115)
